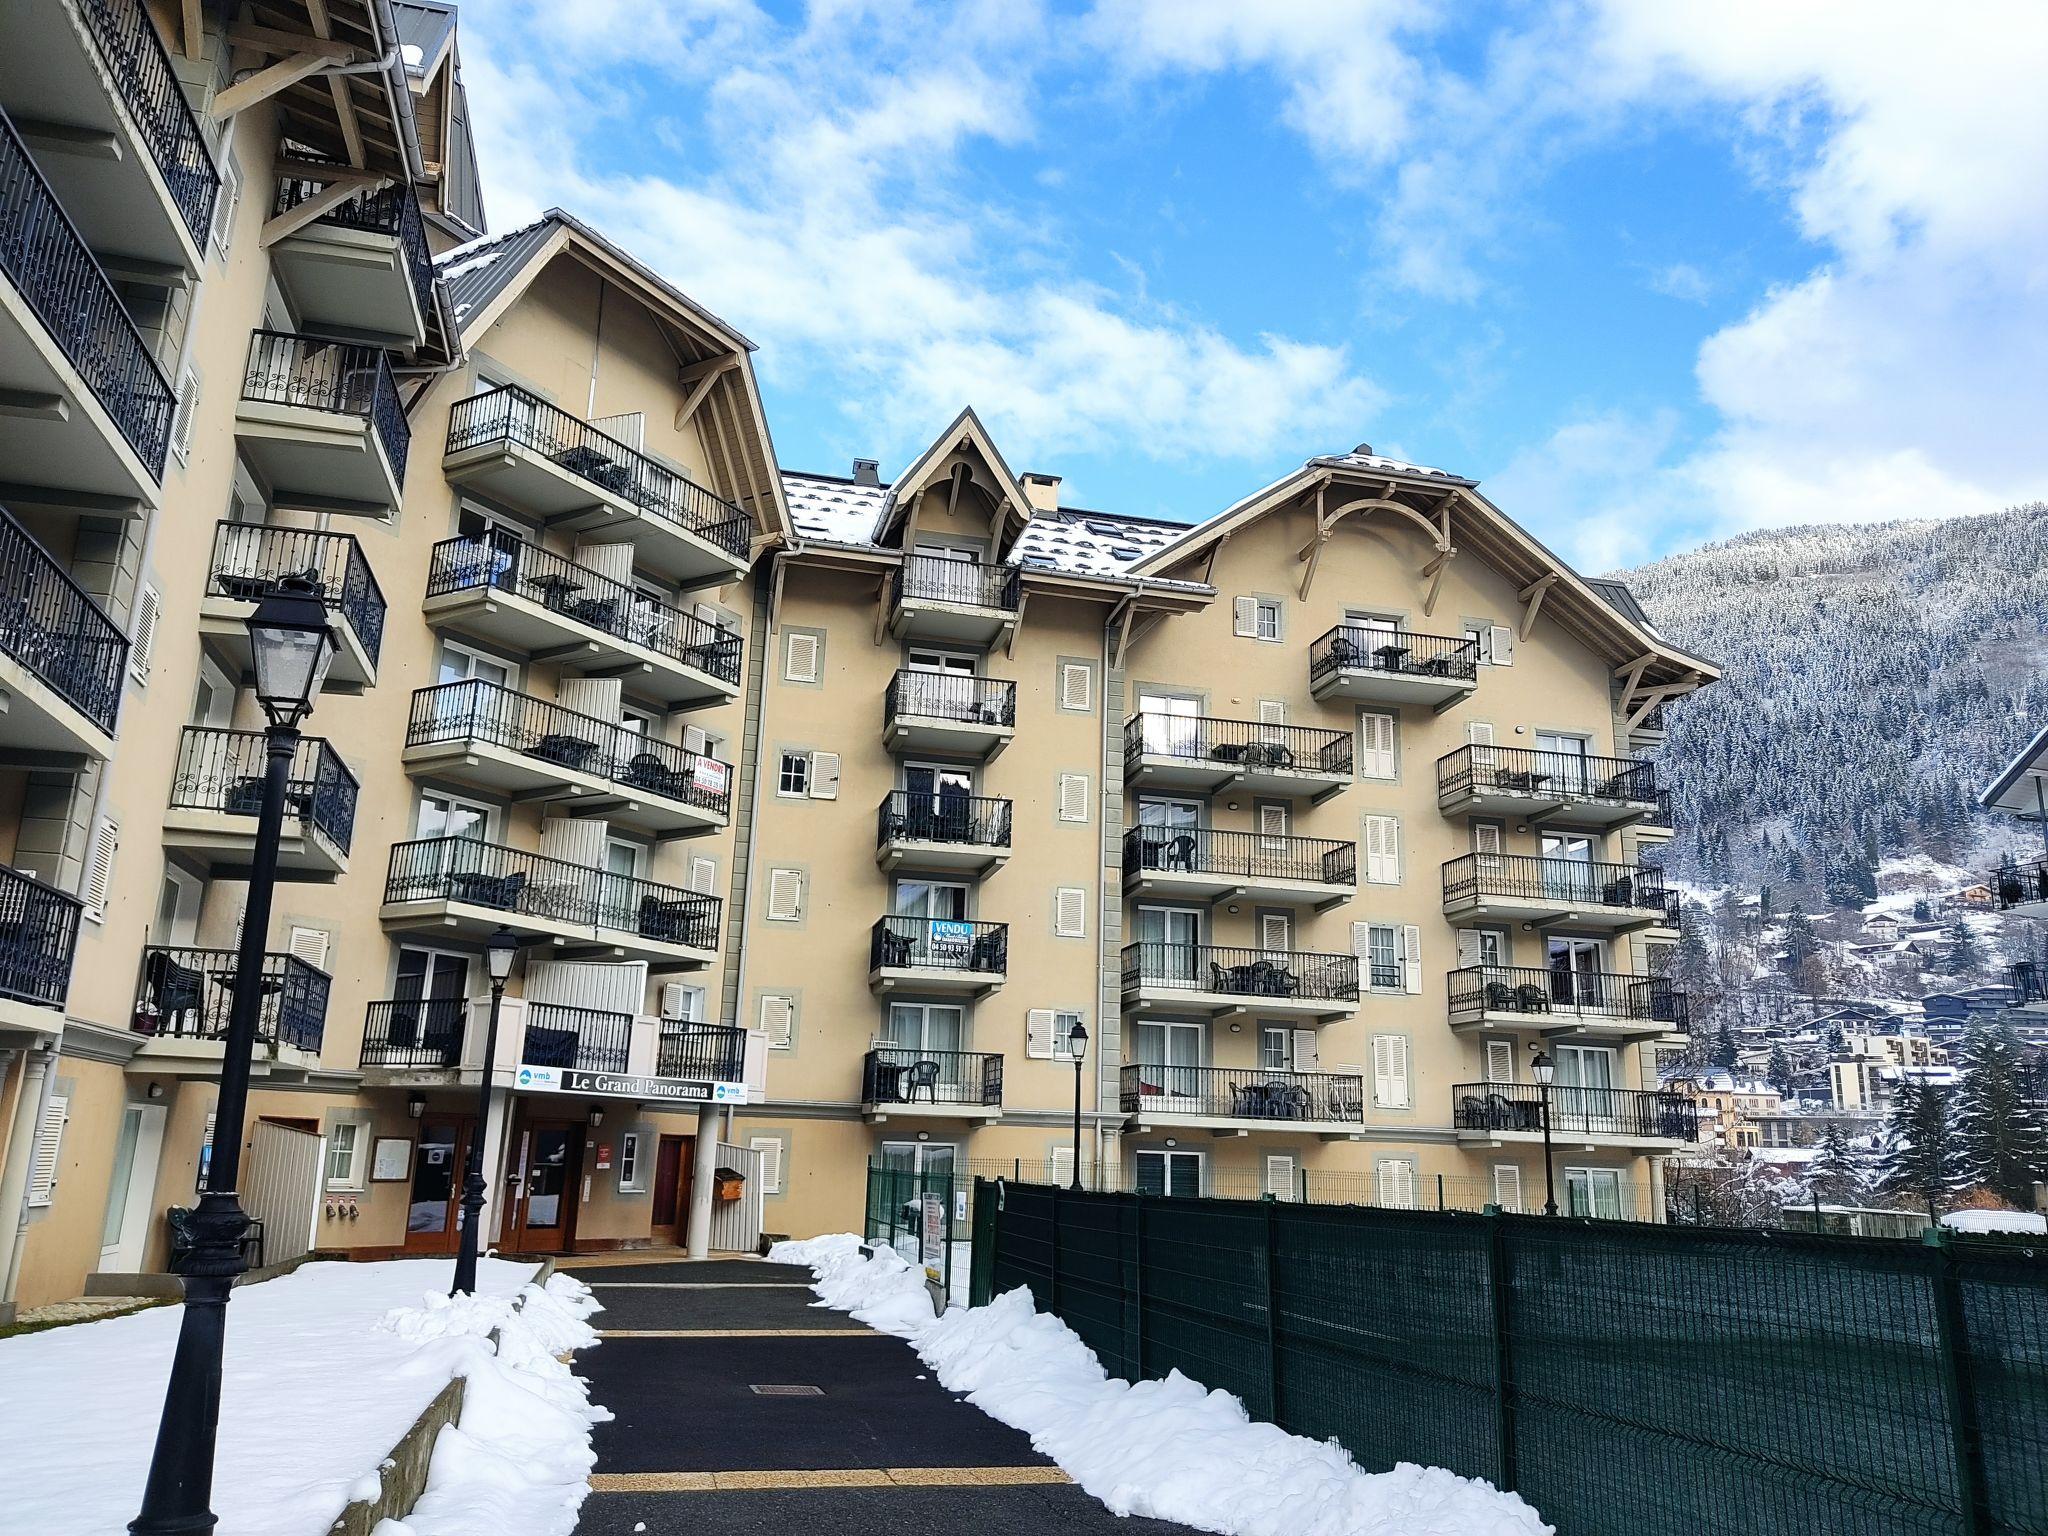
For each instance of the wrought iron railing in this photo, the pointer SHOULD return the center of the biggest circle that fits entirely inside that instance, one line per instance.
(511, 414)
(503, 562)
(579, 1039)
(951, 696)
(927, 816)
(939, 944)
(2027, 982)
(1630, 1112)
(1238, 743)
(474, 710)
(415, 1032)
(250, 562)
(1358, 648)
(1302, 975)
(1662, 816)
(392, 210)
(1238, 855)
(972, 583)
(222, 770)
(1479, 990)
(53, 626)
(189, 994)
(899, 1074)
(134, 55)
(344, 377)
(2015, 884)
(1545, 775)
(1572, 882)
(714, 1053)
(38, 939)
(1243, 1093)
(51, 266)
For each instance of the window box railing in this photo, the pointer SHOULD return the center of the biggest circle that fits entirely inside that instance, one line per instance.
(1239, 855)
(1239, 744)
(715, 1053)
(134, 55)
(52, 626)
(50, 264)
(504, 563)
(1567, 882)
(951, 696)
(971, 583)
(222, 770)
(939, 944)
(38, 939)
(1243, 1093)
(392, 210)
(2027, 982)
(1598, 995)
(2014, 885)
(1634, 1113)
(1399, 652)
(510, 414)
(344, 377)
(1301, 975)
(970, 821)
(576, 1039)
(250, 562)
(188, 994)
(415, 1032)
(894, 1074)
(1540, 775)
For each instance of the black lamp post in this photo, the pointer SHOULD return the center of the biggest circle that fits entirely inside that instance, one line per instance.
(292, 649)
(1077, 1047)
(1543, 1069)
(498, 955)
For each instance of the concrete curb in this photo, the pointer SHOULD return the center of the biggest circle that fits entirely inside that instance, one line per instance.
(165, 1286)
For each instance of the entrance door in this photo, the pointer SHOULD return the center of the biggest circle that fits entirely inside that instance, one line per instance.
(131, 1192)
(549, 1160)
(1567, 867)
(440, 1158)
(177, 909)
(673, 1160)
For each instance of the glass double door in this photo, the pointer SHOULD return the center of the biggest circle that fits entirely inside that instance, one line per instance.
(542, 1186)
(1171, 945)
(1169, 1063)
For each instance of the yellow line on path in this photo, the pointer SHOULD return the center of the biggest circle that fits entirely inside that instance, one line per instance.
(848, 1477)
(735, 1333)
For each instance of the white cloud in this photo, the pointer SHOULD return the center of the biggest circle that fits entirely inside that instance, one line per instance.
(1683, 281)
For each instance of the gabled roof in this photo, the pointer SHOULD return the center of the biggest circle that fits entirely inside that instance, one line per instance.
(965, 434)
(431, 57)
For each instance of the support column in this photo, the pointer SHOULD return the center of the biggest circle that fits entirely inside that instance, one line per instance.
(703, 1170)
(1656, 1189)
(32, 1093)
(497, 1148)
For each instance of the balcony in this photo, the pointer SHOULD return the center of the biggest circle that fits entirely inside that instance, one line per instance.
(1192, 863)
(949, 713)
(419, 1034)
(2021, 889)
(217, 796)
(89, 410)
(1620, 1006)
(361, 266)
(1499, 1114)
(1649, 731)
(965, 602)
(1563, 789)
(1660, 822)
(38, 941)
(321, 423)
(576, 1039)
(898, 1082)
(1363, 665)
(702, 1053)
(1198, 755)
(489, 737)
(969, 834)
(62, 660)
(186, 998)
(461, 887)
(930, 954)
(2029, 987)
(515, 446)
(534, 601)
(1556, 893)
(1228, 982)
(1242, 1099)
(251, 562)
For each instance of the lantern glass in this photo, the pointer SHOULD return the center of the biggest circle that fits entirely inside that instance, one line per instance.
(498, 954)
(1077, 1041)
(1543, 1069)
(292, 649)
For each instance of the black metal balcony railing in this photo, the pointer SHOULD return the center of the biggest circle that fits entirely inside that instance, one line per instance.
(220, 770)
(582, 1039)
(474, 710)
(939, 944)
(970, 821)
(2014, 884)
(510, 414)
(1662, 816)
(505, 563)
(715, 1053)
(415, 1032)
(1298, 974)
(1569, 882)
(1243, 1093)
(393, 210)
(951, 696)
(972, 583)
(1481, 989)
(901, 1074)
(52, 626)
(250, 562)
(1238, 743)
(1239, 855)
(134, 55)
(1560, 775)
(2027, 983)
(1357, 648)
(51, 266)
(1630, 1112)
(189, 993)
(344, 377)
(38, 939)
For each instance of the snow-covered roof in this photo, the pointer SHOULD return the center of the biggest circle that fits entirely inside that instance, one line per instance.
(832, 508)
(1362, 457)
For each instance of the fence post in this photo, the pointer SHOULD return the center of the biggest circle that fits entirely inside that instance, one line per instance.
(1272, 1321)
(1055, 1249)
(1953, 1344)
(1138, 1277)
(1498, 1284)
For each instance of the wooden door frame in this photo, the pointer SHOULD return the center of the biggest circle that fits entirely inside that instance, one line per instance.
(679, 1214)
(523, 1131)
(450, 1235)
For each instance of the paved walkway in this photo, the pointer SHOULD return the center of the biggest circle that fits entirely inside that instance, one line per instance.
(740, 1408)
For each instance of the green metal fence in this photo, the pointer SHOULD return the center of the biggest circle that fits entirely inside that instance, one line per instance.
(895, 1213)
(1628, 1379)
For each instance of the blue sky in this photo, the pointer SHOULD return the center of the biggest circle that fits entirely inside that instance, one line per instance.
(1651, 282)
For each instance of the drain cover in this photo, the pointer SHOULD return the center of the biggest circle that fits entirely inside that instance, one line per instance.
(787, 1391)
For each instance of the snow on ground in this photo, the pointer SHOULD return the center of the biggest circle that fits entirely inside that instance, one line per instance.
(1995, 1221)
(1171, 1449)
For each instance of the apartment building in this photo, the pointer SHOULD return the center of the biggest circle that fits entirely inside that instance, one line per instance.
(2020, 885)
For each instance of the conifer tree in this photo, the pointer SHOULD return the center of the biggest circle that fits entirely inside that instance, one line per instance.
(1998, 1138)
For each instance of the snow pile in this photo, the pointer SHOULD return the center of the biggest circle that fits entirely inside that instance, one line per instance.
(1995, 1221)
(1170, 1449)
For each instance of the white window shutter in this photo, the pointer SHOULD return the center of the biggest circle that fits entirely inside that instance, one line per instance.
(1394, 1183)
(1502, 640)
(1245, 611)
(674, 999)
(1411, 957)
(1468, 948)
(1361, 940)
(800, 657)
(1480, 734)
(1486, 843)
(1038, 1028)
(1500, 1061)
(1073, 797)
(149, 612)
(1279, 1181)
(1273, 822)
(1070, 912)
(696, 740)
(1077, 686)
(310, 945)
(785, 894)
(778, 1019)
(1306, 1056)
(1276, 932)
(99, 869)
(703, 875)
(770, 1148)
(1376, 755)
(1272, 711)
(824, 775)
(1382, 850)
(1390, 1071)
(1061, 1165)
(182, 413)
(1507, 1186)
(42, 1163)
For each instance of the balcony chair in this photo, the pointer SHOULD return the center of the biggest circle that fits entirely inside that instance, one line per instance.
(1500, 997)
(988, 952)
(1267, 754)
(1169, 853)
(564, 750)
(598, 612)
(482, 890)
(1344, 653)
(1271, 979)
(645, 770)
(174, 990)
(1619, 893)
(920, 1077)
(671, 921)
(586, 461)
(1532, 997)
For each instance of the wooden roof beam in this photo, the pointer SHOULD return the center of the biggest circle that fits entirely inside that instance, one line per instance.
(700, 378)
(325, 201)
(1532, 600)
(270, 80)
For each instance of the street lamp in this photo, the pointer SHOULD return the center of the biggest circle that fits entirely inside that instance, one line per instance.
(498, 953)
(292, 648)
(1543, 1069)
(1077, 1047)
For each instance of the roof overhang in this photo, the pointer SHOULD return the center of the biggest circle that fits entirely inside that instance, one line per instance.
(351, 103)
(2022, 788)
(966, 436)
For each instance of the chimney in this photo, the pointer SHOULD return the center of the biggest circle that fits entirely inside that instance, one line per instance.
(1042, 491)
(867, 471)
(1363, 451)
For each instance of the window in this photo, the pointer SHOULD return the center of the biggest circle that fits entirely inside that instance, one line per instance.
(771, 1150)
(1500, 1061)
(1593, 1192)
(43, 1161)
(1073, 797)
(1257, 618)
(1276, 1048)
(778, 1020)
(1390, 1087)
(629, 1160)
(1496, 642)
(1393, 1183)
(1047, 1030)
(1070, 912)
(447, 816)
(1507, 1186)
(1077, 687)
(345, 1154)
(785, 895)
(682, 1002)
(1279, 1176)
(1376, 749)
(1383, 850)
(1169, 1173)
(795, 775)
(1274, 822)
(1383, 956)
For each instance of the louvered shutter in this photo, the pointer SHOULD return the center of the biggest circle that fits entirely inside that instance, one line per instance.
(1507, 1186)
(675, 1000)
(824, 775)
(1077, 686)
(1500, 1061)
(1469, 952)
(608, 987)
(1245, 611)
(1390, 1071)
(1394, 1183)
(1073, 797)
(1070, 912)
(99, 870)
(778, 1020)
(149, 612)
(1039, 1024)
(1279, 1182)
(800, 657)
(1306, 1057)
(1411, 957)
(182, 414)
(611, 560)
(42, 1163)
(785, 894)
(1502, 640)
(1382, 850)
(696, 739)
(1487, 844)
(598, 697)
(310, 945)
(1376, 746)
(704, 875)
(770, 1148)
(1061, 1164)
(1484, 759)
(1276, 932)
(1273, 825)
